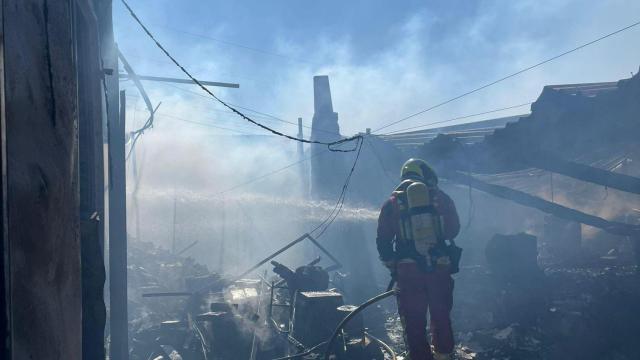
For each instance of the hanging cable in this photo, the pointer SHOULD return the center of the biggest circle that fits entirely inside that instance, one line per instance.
(509, 76)
(326, 223)
(135, 135)
(330, 145)
(384, 171)
(259, 113)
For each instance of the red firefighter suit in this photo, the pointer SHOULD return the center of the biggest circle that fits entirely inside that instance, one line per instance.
(420, 289)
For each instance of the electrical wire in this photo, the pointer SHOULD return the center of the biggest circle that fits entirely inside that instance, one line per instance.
(177, 118)
(262, 114)
(509, 76)
(137, 133)
(275, 171)
(244, 127)
(234, 44)
(375, 153)
(330, 145)
(457, 118)
(326, 223)
(265, 115)
(270, 173)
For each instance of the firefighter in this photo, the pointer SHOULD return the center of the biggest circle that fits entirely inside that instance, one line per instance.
(414, 226)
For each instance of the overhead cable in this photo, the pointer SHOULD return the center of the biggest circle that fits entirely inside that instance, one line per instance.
(273, 172)
(457, 118)
(229, 43)
(177, 118)
(330, 145)
(509, 76)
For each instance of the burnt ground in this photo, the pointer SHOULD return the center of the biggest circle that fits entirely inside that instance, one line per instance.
(582, 312)
(562, 313)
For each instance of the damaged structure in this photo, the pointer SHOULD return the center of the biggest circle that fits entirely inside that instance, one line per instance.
(575, 158)
(549, 202)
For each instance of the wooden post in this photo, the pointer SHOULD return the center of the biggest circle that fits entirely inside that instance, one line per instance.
(5, 286)
(91, 181)
(118, 236)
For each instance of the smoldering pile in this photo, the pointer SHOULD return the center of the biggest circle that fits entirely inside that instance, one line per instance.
(512, 308)
(152, 269)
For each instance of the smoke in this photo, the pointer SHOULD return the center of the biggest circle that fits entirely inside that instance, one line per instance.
(200, 155)
(427, 55)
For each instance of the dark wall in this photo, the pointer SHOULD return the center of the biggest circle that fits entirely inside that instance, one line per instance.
(4, 246)
(42, 180)
(91, 179)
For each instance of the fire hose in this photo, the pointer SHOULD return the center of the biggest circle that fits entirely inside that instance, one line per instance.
(390, 291)
(355, 312)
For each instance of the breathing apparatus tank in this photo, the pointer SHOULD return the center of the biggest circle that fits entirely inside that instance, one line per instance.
(419, 220)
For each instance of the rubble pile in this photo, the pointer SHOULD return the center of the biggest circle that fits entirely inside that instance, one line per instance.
(506, 309)
(152, 269)
(584, 313)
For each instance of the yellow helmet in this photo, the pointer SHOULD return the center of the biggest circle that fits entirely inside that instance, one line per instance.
(418, 169)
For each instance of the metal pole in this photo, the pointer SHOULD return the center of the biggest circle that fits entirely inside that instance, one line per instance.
(173, 238)
(304, 175)
(222, 240)
(182, 81)
(118, 236)
(264, 261)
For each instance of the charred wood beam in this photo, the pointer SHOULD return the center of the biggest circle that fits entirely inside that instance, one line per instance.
(550, 162)
(522, 198)
(91, 179)
(119, 346)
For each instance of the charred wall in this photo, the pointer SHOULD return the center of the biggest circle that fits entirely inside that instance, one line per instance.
(45, 122)
(42, 187)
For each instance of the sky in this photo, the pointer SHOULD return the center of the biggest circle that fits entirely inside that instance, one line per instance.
(385, 59)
